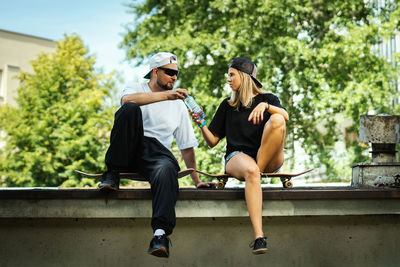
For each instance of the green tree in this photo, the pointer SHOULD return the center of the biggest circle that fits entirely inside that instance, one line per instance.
(317, 56)
(62, 121)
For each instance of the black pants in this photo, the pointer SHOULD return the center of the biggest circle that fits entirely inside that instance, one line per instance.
(130, 151)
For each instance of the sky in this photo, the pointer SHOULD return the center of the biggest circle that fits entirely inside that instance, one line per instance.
(100, 24)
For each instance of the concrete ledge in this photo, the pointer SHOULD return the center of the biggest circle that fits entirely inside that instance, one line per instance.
(305, 193)
(136, 203)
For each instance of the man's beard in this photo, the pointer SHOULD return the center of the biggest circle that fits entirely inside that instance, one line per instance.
(164, 86)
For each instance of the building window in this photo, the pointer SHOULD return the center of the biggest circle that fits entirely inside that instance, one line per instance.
(1, 84)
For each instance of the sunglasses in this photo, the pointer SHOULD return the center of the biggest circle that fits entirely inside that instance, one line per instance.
(169, 72)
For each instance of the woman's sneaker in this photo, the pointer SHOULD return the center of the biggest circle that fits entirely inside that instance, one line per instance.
(259, 245)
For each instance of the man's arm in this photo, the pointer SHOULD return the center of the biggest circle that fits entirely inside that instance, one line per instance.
(148, 98)
(190, 161)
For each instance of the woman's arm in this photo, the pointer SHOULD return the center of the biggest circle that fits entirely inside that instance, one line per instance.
(257, 115)
(211, 139)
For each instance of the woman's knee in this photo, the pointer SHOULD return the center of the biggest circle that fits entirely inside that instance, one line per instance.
(277, 121)
(252, 173)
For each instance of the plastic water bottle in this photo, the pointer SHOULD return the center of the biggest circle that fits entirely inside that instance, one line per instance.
(193, 106)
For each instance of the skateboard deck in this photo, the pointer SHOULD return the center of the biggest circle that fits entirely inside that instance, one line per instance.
(132, 175)
(285, 177)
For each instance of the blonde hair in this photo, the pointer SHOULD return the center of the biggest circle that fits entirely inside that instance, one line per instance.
(244, 95)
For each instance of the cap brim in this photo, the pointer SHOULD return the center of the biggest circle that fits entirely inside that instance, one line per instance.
(147, 76)
(259, 85)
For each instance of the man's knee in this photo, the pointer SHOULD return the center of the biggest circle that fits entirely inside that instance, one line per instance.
(129, 107)
(128, 110)
(165, 171)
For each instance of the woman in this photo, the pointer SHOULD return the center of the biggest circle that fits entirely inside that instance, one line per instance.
(253, 123)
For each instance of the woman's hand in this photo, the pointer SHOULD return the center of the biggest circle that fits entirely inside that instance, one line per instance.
(257, 115)
(195, 117)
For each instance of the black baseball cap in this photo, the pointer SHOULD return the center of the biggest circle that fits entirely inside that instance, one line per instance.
(247, 66)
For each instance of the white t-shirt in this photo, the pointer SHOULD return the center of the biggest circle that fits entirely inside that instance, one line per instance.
(165, 120)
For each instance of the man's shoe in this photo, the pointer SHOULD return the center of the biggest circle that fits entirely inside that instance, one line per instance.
(110, 181)
(159, 246)
(259, 245)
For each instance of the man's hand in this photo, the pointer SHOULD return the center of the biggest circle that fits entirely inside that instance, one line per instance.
(190, 161)
(178, 93)
(206, 185)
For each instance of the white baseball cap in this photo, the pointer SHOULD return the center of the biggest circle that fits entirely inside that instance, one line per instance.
(161, 59)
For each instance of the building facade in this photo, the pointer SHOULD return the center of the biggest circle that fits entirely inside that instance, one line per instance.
(388, 48)
(16, 52)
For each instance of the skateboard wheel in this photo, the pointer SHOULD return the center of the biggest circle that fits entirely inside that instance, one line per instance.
(287, 184)
(220, 185)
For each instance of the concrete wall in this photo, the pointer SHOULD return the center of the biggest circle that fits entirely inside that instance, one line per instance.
(304, 228)
(292, 241)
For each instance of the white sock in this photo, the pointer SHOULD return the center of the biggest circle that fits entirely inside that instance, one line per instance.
(159, 232)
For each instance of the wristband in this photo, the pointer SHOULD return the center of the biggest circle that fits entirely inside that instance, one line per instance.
(203, 124)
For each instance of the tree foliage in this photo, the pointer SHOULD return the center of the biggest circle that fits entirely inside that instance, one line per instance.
(62, 121)
(317, 56)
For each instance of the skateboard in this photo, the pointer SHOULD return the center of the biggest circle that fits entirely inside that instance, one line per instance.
(132, 175)
(285, 177)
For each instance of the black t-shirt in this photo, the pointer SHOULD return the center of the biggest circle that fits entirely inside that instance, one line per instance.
(241, 134)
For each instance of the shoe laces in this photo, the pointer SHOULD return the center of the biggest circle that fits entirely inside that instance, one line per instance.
(161, 236)
(260, 239)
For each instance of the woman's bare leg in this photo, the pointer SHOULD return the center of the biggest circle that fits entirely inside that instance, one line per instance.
(245, 168)
(270, 153)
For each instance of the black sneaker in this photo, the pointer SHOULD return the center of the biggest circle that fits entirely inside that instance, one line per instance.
(109, 181)
(159, 246)
(259, 245)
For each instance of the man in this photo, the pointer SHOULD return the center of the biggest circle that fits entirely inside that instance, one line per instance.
(151, 115)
